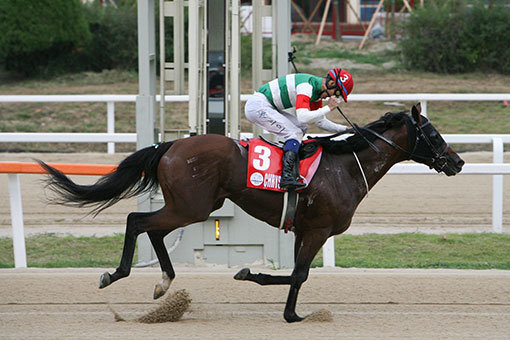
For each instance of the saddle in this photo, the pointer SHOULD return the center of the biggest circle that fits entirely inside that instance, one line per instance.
(265, 169)
(265, 163)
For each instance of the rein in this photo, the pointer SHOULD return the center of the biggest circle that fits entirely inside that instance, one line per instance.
(437, 156)
(362, 172)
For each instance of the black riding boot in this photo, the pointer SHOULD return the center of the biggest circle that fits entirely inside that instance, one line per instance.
(290, 171)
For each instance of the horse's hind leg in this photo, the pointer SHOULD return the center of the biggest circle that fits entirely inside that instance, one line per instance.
(136, 224)
(156, 237)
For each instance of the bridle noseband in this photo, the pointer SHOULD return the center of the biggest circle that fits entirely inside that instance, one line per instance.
(438, 158)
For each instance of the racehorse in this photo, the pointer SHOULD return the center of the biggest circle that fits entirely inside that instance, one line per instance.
(198, 173)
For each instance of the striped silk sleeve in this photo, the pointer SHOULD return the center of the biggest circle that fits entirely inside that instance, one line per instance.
(326, 124)
(316, 105)
(308, 112)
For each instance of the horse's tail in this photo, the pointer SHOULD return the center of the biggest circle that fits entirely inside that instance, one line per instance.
(124, 182)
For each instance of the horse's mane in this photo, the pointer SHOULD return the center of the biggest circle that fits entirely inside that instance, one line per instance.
(356, 142)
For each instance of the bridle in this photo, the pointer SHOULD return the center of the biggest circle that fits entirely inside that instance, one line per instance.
(416, 135)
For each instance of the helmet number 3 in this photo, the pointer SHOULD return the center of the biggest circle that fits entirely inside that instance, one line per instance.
(344, 78)
(262, 162)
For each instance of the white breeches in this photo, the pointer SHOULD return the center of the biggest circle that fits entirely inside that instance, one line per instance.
(259, 111)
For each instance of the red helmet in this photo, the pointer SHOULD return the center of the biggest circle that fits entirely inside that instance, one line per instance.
(343, 81)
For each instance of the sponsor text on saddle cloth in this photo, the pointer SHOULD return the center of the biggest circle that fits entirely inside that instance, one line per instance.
(265, 165)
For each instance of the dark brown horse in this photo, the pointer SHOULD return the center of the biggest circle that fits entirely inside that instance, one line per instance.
(197, 174)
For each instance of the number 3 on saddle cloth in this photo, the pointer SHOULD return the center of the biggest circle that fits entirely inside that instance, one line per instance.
(265, 164)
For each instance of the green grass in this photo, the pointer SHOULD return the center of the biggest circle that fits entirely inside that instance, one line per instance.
(489, 116)
(460, 251)
(49, 251)
(306, 54)
(449, 117)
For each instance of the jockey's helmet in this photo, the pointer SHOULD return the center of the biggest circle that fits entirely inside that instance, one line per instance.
(343, 82)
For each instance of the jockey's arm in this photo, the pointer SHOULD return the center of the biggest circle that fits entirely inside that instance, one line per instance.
(313, 112)
(326, 124)
(309, 112)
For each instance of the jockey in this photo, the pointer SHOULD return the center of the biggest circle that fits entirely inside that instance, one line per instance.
(305, 92)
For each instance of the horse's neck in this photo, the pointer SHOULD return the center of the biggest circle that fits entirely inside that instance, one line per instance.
(376, 165)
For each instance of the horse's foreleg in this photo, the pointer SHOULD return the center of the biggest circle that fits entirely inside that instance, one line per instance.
(309, 248)
(135, 226)
(262, 279)
(298, 242)
(158, 244)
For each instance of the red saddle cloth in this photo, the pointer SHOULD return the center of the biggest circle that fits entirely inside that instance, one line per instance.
(265, 165)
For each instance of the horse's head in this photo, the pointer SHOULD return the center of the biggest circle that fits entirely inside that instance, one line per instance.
(430, 148)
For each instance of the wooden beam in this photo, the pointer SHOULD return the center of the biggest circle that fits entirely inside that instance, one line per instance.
(367, 32)
(309, 20)
(306, 23)
(356, 14)
(408, 6)
(323, 22)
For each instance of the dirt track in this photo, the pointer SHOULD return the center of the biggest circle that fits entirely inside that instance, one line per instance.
(398, 203)
(366, 304)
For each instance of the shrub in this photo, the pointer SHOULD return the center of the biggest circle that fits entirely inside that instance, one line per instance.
(36, 33)
(114, 42)
(453, 37)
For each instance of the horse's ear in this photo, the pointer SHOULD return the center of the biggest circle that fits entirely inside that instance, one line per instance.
(416, 111)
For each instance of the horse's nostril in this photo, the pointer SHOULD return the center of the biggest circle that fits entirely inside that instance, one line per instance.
(460, 163)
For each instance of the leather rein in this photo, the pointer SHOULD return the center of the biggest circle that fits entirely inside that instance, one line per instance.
(438, 157)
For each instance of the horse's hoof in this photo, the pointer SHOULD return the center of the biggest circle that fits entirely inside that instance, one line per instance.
(242, 274)
(159, 291)
(292, 317)
(105, 280)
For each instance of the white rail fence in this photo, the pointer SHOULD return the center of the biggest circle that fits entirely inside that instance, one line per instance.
(111, 137)
(497, 169)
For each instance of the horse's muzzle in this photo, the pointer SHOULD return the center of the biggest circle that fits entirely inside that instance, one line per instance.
(454, 164)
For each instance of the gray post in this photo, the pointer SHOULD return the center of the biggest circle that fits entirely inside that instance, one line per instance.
(145, 101)
(282, 29)
(283, 26)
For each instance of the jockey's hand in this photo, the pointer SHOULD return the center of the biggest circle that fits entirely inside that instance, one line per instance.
(333, 102)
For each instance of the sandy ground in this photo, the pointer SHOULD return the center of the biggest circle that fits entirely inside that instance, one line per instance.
(365, 304)
(398, 203)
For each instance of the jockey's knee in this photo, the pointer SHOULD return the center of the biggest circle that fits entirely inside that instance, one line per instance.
(296, 134)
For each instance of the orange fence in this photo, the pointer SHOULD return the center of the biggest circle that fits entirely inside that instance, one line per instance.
(13, 169)
(69, 169)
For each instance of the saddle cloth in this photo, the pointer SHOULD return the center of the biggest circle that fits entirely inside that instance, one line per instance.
(265, 165)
